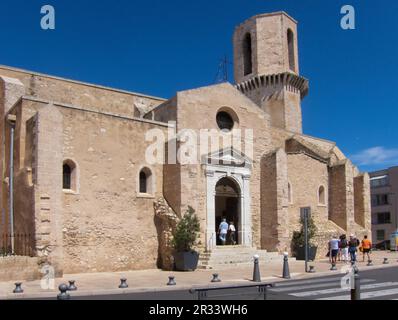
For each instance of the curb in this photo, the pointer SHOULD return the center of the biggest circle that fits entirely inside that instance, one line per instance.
(102, 292)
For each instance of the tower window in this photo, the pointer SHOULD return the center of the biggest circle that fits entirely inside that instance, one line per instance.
(289, 193)
(321, 196)
(145, 181)
(290, 46)
(69, 175)
(247, 54)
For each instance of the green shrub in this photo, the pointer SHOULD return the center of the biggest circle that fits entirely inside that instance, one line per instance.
(186, 231)
(298, 239)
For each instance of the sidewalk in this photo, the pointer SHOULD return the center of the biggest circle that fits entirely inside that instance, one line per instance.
(155, 280)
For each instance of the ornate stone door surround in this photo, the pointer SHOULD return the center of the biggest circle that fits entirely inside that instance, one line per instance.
(239, 170)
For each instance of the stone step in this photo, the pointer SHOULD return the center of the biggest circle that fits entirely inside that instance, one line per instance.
(230, 256)
(205, 266)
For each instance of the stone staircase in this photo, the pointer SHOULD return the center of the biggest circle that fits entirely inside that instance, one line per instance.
(227, 256)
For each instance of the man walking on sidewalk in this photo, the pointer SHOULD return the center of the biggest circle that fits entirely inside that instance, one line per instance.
(352, 247)
(334, 249)
(366, 247)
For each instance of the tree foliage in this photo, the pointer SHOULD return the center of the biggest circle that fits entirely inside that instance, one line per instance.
(299, 236)
(186, 232)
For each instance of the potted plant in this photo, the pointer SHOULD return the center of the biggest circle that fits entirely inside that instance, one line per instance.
(185, 235)
(298, 241)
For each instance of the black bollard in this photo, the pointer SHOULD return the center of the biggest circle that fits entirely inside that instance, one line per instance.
(286, 272)
(356, 287)
(18, 287)
(333, 268)
(312, 269)
(123, 283)
(370, 263)
(72, 286)
(172, 281)
(256, 270)
(215, 278)
(385, 261)
(63, 288)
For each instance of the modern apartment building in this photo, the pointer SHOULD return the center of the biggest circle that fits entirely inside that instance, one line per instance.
(384, 190)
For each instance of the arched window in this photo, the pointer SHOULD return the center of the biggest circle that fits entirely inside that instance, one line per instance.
(290, 46)
(289, 193)
(69, 175)
(247, 54)
(322, 196)
(145, 181)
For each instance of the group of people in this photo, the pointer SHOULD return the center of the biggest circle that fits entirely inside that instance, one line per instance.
(226, 229)
(343, 249)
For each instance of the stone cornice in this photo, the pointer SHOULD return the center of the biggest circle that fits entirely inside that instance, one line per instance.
(289, 80)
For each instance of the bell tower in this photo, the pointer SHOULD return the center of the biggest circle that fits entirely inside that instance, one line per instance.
(266, 67)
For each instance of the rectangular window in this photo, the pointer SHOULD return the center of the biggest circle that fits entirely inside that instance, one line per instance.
(380, 200)
(383, 218)
(380, 234)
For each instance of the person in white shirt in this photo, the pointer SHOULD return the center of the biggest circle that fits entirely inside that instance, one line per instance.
(222, 231)
(232, 231)
(334, 245)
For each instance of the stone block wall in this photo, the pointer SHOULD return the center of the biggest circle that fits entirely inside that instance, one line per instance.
(274, 202)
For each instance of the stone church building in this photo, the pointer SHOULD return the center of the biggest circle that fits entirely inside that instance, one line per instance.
(76, 180)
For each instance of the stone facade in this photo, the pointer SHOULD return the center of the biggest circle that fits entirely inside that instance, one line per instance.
(99, 218)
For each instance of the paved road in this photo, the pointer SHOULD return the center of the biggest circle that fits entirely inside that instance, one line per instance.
(376, 284)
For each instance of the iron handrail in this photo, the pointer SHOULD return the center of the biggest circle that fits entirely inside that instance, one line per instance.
(262, 289)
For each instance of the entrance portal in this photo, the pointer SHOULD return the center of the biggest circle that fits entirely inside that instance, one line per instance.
(227, 205)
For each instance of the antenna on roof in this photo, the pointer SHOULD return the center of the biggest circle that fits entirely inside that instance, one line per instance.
(222, 72)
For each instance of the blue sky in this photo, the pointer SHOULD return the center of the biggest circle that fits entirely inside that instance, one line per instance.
(159, 47)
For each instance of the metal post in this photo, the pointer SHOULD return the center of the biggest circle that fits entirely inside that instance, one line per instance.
(11, 188)
(286, 272)
(306, 239)
(256, 270)
(63, 295)
(356, 286)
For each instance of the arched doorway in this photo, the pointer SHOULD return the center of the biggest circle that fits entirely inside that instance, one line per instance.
(227, 205)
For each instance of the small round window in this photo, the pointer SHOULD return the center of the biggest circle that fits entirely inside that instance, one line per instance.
(225, 121)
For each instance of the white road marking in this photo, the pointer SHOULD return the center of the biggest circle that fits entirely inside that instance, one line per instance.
(300, 282)
(366, 295)
(338, 290)
(313, 286)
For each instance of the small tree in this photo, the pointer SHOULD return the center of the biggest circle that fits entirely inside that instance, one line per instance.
(299, 236)
(186, 231)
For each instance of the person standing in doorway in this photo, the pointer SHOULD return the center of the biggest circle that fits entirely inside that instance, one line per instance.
(232, 231)
(222, 231)
(366, 247)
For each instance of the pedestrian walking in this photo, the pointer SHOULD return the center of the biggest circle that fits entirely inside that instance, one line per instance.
(222, 231)
(344, 248)
(334, 248)
(353, 247)
(366, 245)
(232, 232)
